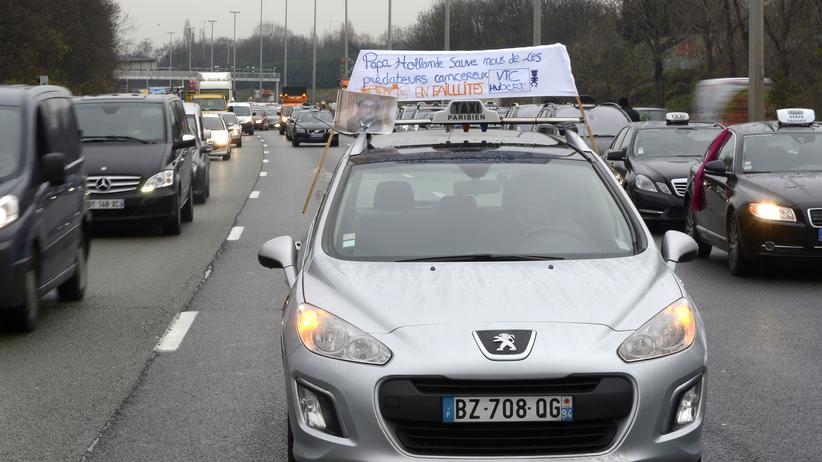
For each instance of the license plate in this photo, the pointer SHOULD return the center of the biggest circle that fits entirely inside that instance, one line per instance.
(106, 204)
(317, 135)
(507, 409)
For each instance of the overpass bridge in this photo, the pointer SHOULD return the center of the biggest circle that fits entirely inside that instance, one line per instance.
(175, 78)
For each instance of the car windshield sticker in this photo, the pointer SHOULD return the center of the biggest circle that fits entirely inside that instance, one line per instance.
(349, 240)
(747, 166)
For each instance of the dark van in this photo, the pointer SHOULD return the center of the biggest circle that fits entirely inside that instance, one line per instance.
(138, 151)
(44, 220)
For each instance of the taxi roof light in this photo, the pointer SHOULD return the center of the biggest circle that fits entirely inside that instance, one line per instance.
(795, 116)
(677, 118)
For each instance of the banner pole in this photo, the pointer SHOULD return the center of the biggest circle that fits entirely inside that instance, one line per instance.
(587, 126)
(319, 169)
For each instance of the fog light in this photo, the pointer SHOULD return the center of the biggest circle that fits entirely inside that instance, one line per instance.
(688, 406)
(769, 246)
(311, 407)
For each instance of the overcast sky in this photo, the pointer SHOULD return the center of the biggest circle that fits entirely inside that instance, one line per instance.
(153, 19)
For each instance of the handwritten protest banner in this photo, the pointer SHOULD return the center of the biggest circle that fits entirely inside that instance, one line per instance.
(447, 75)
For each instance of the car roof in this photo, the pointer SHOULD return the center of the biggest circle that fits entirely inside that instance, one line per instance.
(16, 95)
(772, 126)
(240, 104)
(660, 124)
(127, 97)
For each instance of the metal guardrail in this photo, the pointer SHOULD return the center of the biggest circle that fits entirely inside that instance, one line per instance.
(267, 75)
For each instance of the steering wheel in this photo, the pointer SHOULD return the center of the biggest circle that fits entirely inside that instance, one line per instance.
(553, 230)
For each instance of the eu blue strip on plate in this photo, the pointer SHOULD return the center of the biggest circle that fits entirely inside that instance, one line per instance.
(820, 234)
(448, 409)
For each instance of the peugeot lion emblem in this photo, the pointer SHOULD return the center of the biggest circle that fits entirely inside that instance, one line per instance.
(505, 345)
(103, 184)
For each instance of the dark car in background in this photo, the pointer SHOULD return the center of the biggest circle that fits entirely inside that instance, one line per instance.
(292, 120)
(44, 218)
(605, 119)
(655, 159)
(201, 162)
(651, 114)
(758, 192)
(138, 155)
(314, 127)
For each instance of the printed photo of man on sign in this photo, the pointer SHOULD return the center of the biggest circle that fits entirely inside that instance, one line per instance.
(363, 112)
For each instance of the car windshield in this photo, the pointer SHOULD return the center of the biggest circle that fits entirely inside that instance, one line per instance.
(11, 136)
(229, 119)
(674, 142)
(213, 123)
(287, 110)
(241, 111)
(270, 112)
(321, 116)
(210, 104)
(391, 211)
(139, 120)
(604, 120)
(782, 152)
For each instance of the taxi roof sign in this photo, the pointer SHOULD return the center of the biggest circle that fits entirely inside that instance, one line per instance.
(466, 112)
(795, 116)
(677, 118)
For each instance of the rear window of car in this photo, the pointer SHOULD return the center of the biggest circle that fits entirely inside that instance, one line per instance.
(604, 120)
(213, 123)
(241, 111)
(141, 120)
(229, 118)
(312, 116)
(393, 211)
(12, 134)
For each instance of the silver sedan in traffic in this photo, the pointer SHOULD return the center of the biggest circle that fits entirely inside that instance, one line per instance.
(495, 298)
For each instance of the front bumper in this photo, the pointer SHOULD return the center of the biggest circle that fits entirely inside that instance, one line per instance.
(368, 434)
(311, 138)
(658, 207)
(155, 207)
(776, 239)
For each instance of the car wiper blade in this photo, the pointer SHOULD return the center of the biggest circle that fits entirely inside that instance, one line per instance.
(485, 257)
(92, 139)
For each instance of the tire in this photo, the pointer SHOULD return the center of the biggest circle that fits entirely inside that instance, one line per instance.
(75, 288)
(208, 183)
(227, 154)
(739, 263)
(173, 226)
(187, 212)
(26, 316)
(282, 131)
(295, 143)
(240, 143)
(704, 249)
(200, 198)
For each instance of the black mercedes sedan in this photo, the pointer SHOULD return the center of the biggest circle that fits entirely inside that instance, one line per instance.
(655, 159)
(758, 192)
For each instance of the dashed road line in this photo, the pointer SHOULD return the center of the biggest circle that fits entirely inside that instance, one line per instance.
(254, 195)
(176, 332)
(265, 161)
(235, 233)
(263, 173)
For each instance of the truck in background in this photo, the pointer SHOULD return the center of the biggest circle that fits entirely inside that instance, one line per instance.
(212, 91)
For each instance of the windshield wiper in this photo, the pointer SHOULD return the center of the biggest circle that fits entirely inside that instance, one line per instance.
(127, 139)
(485, 257)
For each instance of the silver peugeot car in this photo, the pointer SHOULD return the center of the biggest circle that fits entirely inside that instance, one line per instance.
(486, 296)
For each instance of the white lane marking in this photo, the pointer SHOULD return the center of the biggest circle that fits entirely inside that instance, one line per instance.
(265, 152)
(265, 161)
(263, 173)
(176, 332)
(235, 233)
(254, 195)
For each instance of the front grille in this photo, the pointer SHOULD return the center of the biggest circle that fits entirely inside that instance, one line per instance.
(112, 184)
(501, 439)
(412, 408)
(815, 215)
(680, 186)
(319, 131)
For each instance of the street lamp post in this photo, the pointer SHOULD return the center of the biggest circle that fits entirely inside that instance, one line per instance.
(756, 60)
(345, 32)
(314, 60)
(212, 21)
(190, 33)
(285, 53)
(389, 24)
(170, 55)
(235, 13)
(447, 25)
(261, 48)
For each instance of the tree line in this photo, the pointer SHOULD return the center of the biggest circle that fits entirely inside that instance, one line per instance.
(73, 42)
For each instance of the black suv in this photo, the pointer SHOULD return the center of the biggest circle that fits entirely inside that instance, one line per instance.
(44, 220)
(138, 153)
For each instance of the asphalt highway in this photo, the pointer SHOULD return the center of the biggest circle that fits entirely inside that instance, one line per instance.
(88, 383)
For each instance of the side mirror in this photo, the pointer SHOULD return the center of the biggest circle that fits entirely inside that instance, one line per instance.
(280, 252)
(188, 141)
(54, 168)
(207, 133)
(715, 167)
(615, 155)
(206, 148)
(678, 247)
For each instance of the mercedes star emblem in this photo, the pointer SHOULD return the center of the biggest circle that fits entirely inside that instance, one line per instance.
(103, 184)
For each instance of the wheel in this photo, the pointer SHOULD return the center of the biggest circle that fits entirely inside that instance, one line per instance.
(187, 213)
(173, 226)
(227, 154)
(75, 288)
(739, 263)
(295, 143)
(200, 198)
(240, 143)
(26, 316)
(208, 183)
(704, 249)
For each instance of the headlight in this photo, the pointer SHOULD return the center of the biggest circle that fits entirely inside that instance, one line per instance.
(327, 335)
(644, 183)
(670, 331)
(768, 211)
(160, 180)
(663, 187)
(9, 210)
(220, 137)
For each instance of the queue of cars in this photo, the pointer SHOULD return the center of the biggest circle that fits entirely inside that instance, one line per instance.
(68, 163)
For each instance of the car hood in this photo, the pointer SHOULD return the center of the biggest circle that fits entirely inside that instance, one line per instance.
(125, 158)
(664, 168)
(313, 125)
(789, 188)
(379, 297)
